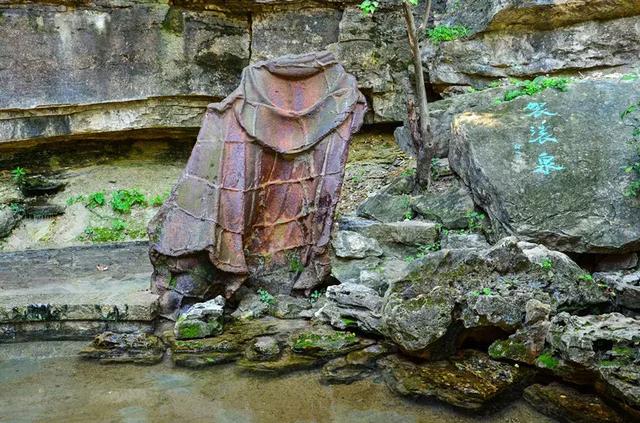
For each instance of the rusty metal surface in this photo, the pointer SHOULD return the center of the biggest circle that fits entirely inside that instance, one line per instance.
(261, 185)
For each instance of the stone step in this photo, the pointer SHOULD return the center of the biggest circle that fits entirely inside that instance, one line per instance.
(75, 292)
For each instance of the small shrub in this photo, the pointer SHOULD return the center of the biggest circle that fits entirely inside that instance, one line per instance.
(631, 117)
(159, 199)
(295, 264)
(18, 175)
(76, 199)
(442, 33)
(546, 264)
(17, 208)
(585, 277)
(97, 199)
(538, 85)
(548, 361)
(474, 220)
(368, 6)
(265, 297)
(118, 231)
(315, 296)
(408, 172)
(123, 200)
(483, 291)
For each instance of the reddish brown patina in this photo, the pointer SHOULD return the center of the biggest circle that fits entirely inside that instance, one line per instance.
(257, 197)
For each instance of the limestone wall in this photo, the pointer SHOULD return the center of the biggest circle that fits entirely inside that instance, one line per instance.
(87, 69)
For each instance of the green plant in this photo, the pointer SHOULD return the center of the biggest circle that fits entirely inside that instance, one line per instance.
(118, 231)
(16, 208)
(295, 264)
(408, 215)
(123, 200)
(631, 117)
(18, 175)
(546, 264)
(265, 297)
(159, 199)
(483, 291)
(76, 199)
(104, 234)
(315, 296)
(348, 321)
(585, 277)
(423, 250)
(442, 33)
(475, 220)
(411, 171)
(538, 85)
(630, 76)
(548, 361)
(97, 199)
(368, 6)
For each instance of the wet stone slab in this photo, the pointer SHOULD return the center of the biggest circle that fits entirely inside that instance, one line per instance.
(75, 292)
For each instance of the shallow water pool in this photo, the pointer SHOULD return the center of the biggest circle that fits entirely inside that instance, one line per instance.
(45, 382)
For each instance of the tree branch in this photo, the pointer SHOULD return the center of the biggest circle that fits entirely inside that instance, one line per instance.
(425, 18)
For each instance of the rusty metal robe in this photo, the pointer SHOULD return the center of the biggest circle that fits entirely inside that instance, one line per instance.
(257, 197)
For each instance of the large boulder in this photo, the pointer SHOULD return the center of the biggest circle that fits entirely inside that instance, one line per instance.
(470, 381)
(540, 168)
(523, 39)
(570, 405)
(606, 346)
(452, 294)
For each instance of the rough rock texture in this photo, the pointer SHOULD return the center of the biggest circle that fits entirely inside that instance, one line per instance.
(354, 366)
(606, 346)
(8, 220)
(452, 292)
(538, 166)
(110, 347)
(67, 296)
(352, 306)
(453, 241)
(625, 287)
(569, 405)
(106, 69)
(232, 344)
(201, 320)
(448, 206)
(525, 39)
(448, 203)
(240, 210)
(471, 381)
(348, 244)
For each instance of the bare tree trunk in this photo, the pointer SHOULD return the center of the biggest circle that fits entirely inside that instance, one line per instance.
(424, 145)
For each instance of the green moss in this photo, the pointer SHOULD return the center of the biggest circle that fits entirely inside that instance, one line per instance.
(189, 330)
(295, 264)
(348, 321)
(611, 363)
(548, 361)
(508, 349)
(624, 352)
(173, 281)
(325, 341)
